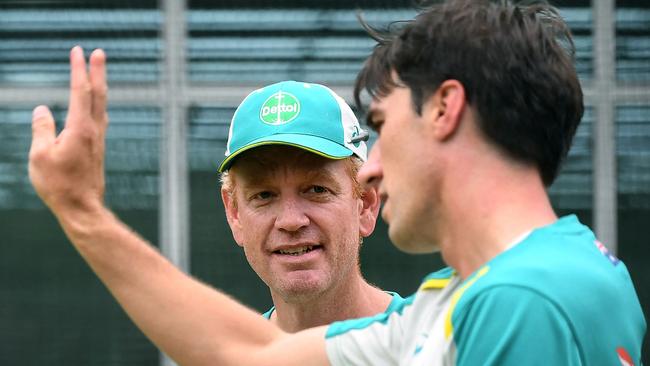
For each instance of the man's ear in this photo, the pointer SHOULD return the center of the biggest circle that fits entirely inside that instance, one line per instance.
(232, 215)
(369, 210)
(445, 109)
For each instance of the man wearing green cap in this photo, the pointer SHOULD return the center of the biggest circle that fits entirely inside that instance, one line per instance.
(294, 205)
(291, 196)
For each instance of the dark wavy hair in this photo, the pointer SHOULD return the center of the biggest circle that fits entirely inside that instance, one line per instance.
(515, 61)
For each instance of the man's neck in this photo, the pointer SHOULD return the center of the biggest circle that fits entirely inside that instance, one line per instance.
(353, 299)
(492, 210)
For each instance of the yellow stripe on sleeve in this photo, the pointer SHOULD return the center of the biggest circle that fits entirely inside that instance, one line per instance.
(435, 283)
(449, 328)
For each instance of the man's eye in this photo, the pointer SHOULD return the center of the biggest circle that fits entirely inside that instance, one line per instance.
(374, 122)
(376, 126)
(318, 189)
(265, 195)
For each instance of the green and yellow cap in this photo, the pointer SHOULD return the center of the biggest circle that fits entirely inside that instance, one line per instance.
(305, 115)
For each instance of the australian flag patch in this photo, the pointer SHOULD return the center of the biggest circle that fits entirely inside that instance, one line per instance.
(603, 249)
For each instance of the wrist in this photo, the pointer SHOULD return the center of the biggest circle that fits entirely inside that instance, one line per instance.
(82, 220)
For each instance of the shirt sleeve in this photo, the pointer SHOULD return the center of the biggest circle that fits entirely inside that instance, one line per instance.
(508, 325)
(373, 340)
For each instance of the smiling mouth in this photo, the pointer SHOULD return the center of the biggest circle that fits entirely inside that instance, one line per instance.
(297, 250)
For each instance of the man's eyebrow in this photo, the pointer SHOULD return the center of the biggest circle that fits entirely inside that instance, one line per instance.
(258, 180)
(261, 177)
(370, 115)
(253, 185)
(325, 175)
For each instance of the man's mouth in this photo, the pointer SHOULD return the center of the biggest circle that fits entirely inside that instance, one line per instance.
(296, 251)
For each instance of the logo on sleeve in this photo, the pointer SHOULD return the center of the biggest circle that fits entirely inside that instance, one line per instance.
(624, 357)
(280, 108)
(603, 249)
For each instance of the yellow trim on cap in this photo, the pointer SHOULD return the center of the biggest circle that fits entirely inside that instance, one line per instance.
(248, 147)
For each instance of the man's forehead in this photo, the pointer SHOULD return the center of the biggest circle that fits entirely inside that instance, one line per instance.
(270, 169)
(378, 99)
(266, 159)
(379, 104)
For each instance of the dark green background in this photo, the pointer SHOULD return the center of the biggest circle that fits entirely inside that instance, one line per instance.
(54, 311)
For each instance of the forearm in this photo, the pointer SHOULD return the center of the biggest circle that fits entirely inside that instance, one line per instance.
(190, 321)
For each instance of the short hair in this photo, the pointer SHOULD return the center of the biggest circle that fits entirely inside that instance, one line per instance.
(515, 62)
(353, 164)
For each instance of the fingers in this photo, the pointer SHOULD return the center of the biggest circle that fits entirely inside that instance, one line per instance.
(98, 85)
(43, 128)
(79, 106)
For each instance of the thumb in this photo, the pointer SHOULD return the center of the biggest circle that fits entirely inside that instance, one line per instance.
(43, 128)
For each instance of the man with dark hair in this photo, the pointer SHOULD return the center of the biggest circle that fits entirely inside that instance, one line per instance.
(476, 104)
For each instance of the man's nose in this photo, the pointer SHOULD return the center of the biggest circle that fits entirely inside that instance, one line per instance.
(292, 215)
(371, 173)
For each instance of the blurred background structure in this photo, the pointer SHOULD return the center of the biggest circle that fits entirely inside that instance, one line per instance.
(177, 70)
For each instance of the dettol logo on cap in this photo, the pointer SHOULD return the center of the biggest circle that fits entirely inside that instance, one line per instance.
(280, 108)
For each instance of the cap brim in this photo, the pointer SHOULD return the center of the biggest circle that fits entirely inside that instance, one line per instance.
(314, 144)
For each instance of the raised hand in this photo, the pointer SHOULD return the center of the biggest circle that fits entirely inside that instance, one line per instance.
(67, 170)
